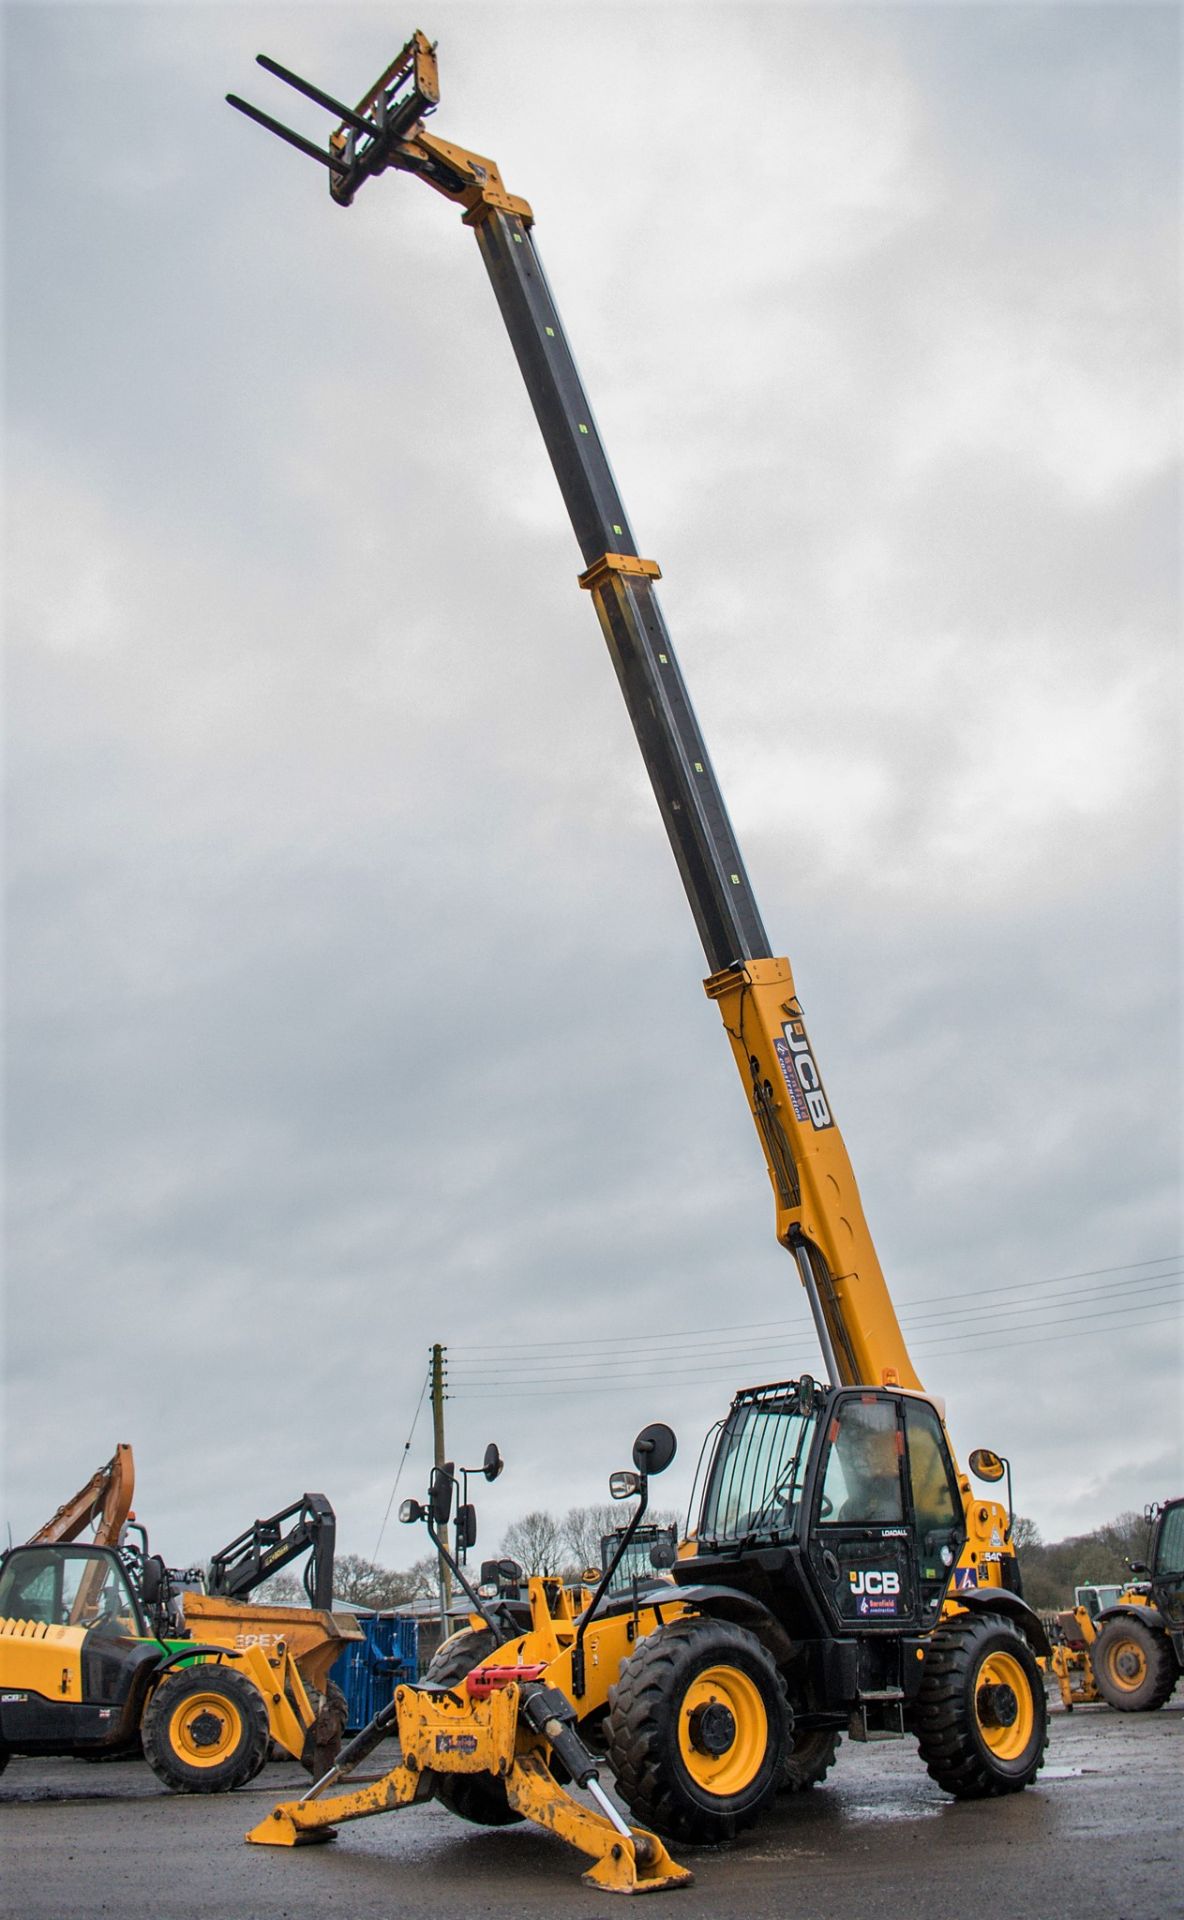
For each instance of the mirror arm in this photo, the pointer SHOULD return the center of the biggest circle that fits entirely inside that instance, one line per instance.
(498, 1621)
(577, 1652)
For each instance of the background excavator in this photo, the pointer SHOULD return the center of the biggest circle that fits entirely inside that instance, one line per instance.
(104, 1650)
(843, 1575)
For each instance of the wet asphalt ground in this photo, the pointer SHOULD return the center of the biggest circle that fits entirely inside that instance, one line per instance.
(1098, 1838)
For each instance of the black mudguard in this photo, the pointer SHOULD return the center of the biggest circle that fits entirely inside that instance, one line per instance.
(1000, 1600)
(725, 1603)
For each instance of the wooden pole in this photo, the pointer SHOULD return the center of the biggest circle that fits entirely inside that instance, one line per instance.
(438, 1353)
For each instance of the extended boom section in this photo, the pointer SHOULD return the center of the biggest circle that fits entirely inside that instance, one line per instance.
(819, 1217)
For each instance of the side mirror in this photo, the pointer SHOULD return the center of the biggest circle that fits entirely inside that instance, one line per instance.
(493, 1462)
(653, 1449)
(152, 1580)
(466, 1528)
(500, 1573)
(985, 1465)
(624, 1485)
(440, 1495)
(806, 1390)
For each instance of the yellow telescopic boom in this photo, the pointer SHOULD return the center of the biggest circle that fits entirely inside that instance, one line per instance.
(819, 1216)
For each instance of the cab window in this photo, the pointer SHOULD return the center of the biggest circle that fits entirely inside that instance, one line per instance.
(861, 1484)
(1169, 1556)
(67, 1587)
(934, 1503)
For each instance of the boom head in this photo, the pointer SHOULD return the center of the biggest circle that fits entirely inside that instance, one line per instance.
(386, 129)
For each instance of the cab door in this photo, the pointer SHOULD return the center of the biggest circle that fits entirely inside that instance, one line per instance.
(1167, 1574)
(938, 1520)
(861, 1545)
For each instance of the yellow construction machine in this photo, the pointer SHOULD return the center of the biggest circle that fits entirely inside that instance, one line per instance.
(1125, 1645)
(844, 1574)
(103, 1653)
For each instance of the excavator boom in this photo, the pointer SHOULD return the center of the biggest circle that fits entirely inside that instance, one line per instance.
(104, 1502)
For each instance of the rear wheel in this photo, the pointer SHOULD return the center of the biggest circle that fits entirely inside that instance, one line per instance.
(982, 1720)
(205, 1730)
(323, 1737)
(1134, 1665)
(807, 1760)
(474, 1796)
(697, 1729)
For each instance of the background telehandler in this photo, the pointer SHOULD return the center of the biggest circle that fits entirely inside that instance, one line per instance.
(845, 1576)
(103, 1651)
(1130, 1652)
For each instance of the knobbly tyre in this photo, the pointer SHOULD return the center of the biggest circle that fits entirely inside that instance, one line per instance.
(843, 1575)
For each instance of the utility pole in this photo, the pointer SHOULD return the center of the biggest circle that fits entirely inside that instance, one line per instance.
(438, 1353)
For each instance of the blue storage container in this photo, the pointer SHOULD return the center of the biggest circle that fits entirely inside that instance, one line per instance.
(370, 1669)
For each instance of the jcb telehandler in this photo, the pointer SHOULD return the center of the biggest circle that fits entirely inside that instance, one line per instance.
(844, 1575)
(1130, 1651)
(102, 1653)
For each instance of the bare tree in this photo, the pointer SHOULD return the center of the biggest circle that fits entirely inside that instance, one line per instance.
(1123, 1538)
(423, 1578)
(367, 1585)
(282, 1590)
(1025, 1533)
(536, 1542)
(583, 1528)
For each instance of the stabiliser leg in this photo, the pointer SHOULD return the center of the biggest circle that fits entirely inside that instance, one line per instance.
(299, 1823)
(629, 1861)
(452, 1732)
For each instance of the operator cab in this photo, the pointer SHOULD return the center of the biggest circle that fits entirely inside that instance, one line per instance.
(67, 1586)
(843, 1502)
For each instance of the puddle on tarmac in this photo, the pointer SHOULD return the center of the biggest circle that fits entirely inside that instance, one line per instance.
(880, 1812)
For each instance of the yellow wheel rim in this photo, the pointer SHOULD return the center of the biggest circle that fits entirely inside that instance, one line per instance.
(1126, 1664)
(723, 1730)
(1004, 1708)
(204, 1729)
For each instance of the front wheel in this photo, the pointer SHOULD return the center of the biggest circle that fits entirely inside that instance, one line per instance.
(982, 1719)
(1134, 1666)
(697, 1730)
(205, 1730)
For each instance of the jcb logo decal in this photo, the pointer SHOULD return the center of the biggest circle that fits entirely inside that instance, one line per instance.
(802, 1077)
(456, 1743)
(871, 1580)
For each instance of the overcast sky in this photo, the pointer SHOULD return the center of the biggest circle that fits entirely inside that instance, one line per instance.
(352, 1002)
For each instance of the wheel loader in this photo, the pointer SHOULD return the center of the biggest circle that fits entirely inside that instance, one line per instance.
(102, 1654)
(844, 1576)
(1129, 1651)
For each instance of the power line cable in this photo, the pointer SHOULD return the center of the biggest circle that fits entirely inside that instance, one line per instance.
(666, 1338)
(616, 1382)
(403, 1462)
(626, 1354)
(630, 1386)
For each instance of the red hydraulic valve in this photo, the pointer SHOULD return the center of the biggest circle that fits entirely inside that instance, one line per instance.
(482, 1683)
